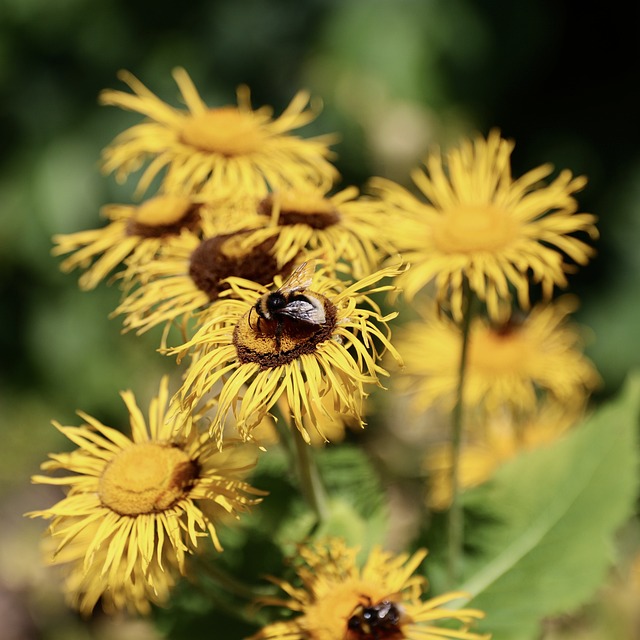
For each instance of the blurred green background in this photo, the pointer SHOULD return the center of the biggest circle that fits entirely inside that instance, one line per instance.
(396, 77)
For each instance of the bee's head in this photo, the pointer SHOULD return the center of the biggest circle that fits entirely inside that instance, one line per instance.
(275, 301)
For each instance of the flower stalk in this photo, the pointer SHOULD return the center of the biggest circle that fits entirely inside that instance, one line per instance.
(309, 477)
(456, 515)
(301, 458)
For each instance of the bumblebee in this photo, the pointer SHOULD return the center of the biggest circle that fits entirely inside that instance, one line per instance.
(290, 303)
(379, 621)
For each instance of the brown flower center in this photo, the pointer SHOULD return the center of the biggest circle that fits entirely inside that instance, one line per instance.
(301, 208)
(225, 130)
(145, 478)
(471, 229)
(271, 343)
(225, 255)
(164, 216)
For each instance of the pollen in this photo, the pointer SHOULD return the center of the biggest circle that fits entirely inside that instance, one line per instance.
(225, 130)
(255, 338)
(163, 216)
(300, 208)
(469, 229)
(145, 478)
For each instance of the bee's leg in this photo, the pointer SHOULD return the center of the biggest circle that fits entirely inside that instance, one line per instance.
(257, 327)
(278, 334)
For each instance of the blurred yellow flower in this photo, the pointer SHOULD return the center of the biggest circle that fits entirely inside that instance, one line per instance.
(509, 364)
(135, 232)
(481, 225)
(232, 148)
(245, 363)
(135, 507)
(383, 599)
(498, 438)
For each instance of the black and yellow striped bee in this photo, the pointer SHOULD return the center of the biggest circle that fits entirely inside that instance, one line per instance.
(290, 302)
(379, 621)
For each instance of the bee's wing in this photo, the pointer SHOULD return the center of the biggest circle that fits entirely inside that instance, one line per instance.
(300, 279)
(304, 311)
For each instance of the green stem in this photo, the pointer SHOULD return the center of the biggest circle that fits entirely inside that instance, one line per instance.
(456, 516)
(309, 476)
(301, 458)
(284, 437)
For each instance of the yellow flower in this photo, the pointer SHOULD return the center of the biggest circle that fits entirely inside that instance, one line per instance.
(383, 599)
(481, 225)
(135, 507)
(135, 232)
(208, 149)
(507, 365)
(189, 275)
(497, 439)
(243, 363)
(340, 227)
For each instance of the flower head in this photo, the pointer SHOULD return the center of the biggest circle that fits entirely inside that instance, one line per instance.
(482, 225)
(205, 149)
(134, 232)
(508, 365)
(190, 274)
(246, 361)
(383, 599)
(136, 506)
(340, 227)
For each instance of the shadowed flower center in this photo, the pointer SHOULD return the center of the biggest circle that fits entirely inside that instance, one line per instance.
(163, 216)
(225, 130)
(500, 351)
(302, 208)
(146, 478)
(226, 255)
(469, 229)
(271, 343)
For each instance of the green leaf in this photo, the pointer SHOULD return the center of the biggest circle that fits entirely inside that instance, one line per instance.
(345, 522)
(550, 518)
(347, 472)
(357, 507)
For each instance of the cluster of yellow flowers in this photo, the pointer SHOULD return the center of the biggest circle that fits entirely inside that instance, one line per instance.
(481, 240)
(262, 275)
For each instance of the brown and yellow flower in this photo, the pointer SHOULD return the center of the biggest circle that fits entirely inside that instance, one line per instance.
(345, 228)
(189, 276)
(134, 233)
(339, 600)
(244, 363)
(136, 507)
